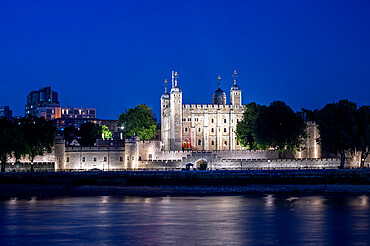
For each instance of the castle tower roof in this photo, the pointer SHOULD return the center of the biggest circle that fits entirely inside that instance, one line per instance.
(235, 87)
(219, 97)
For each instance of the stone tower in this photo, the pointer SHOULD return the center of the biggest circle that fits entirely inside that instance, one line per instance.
(60, 148)
(175, 115)
(235, 92)
(165, 110)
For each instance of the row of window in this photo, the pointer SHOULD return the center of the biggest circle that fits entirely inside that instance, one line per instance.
(133, 157)
(197, 119)
(212, 142)
(200, 129)
(105, 159)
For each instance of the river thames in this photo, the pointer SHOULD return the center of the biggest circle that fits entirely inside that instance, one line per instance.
(187, 220)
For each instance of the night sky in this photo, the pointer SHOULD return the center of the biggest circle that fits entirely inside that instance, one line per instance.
(113, 55)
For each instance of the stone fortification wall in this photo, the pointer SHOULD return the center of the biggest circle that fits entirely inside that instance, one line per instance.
(103, 158)
(329, 163)
(247, 154)
(171, 155)
(46, 157)
(26, 167)
(232, 154)
(210, 106)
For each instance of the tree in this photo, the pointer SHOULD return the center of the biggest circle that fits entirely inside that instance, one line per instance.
(363, 134)
(245, 127)
(88, 134)
(69, 134)
(279, 127)
(338, 128)
(39, 135)
(139, 120)
(106, 133)
(5, 142)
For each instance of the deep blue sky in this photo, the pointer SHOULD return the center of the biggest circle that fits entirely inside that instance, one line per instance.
(113, 55)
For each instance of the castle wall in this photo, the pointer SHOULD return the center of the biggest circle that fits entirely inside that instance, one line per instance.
(329, 163)
(103, 158)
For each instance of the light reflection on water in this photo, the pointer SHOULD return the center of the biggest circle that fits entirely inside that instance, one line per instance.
(211, 220)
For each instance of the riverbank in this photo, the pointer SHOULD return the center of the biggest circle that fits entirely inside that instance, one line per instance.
(17, 190)
(168, 183)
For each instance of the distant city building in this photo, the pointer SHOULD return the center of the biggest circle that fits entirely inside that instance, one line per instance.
(44, 98)
(6, 113)
(44, 103)
(80, 113)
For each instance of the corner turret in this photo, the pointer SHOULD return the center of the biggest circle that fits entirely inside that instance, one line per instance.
(235, 92)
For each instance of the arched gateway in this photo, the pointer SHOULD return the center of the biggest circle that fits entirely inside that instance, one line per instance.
(201, 164)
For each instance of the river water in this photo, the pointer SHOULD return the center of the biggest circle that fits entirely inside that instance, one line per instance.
(191, 220)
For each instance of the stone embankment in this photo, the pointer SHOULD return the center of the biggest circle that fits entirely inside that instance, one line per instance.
(163, 183)
(224, 177)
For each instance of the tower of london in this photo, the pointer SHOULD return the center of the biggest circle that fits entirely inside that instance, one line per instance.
(200, 126)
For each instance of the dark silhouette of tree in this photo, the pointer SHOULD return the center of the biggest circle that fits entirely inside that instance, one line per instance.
(363, 134)
(5, 142)
(338, 128)
(310, 115)
(69, 134)
(245, 127)
(39, 135)
(278, 126)
(88, 134)
(139, 120)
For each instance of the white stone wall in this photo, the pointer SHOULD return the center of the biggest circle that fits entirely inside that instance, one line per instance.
(103, 158)
(211, 127)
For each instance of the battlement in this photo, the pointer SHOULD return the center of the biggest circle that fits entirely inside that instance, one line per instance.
(95, 148)
(210, 106)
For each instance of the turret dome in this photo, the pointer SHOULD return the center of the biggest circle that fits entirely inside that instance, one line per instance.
(165, 96)
(219, 97)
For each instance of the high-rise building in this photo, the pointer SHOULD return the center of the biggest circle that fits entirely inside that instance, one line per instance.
(42, 103)
(6, 113)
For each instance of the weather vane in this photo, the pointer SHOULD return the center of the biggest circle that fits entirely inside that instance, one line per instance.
(235, 75)
(165, 85)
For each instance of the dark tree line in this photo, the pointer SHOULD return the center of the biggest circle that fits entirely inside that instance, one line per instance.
(30, 137)
(344, 128)
(276, 126)
(86, 135)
